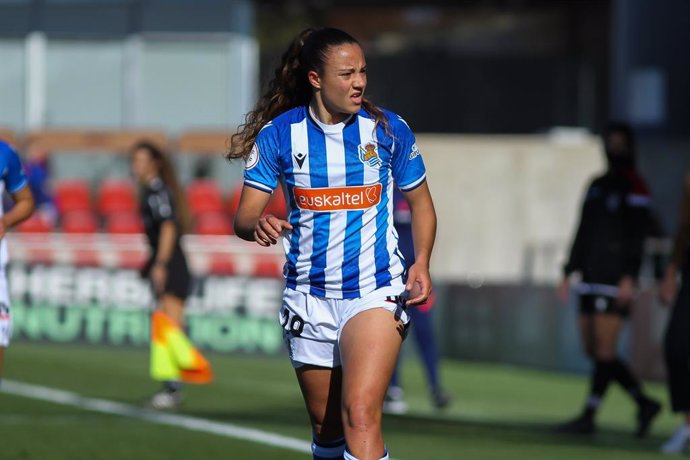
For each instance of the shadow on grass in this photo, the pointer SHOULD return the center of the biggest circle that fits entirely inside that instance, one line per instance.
(455, 428)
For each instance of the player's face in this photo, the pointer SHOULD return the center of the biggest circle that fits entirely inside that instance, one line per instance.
(143, 166)
(617, 144)
(343, 79)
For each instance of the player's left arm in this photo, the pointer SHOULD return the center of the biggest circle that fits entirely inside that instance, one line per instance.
(22, 210)
(17, 186)
(424, 234)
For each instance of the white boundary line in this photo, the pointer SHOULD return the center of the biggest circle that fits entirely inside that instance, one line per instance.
(180, 421)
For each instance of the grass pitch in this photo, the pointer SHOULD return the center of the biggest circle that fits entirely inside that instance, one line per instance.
(498, 412)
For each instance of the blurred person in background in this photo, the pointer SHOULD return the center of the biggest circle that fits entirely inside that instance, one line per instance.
(677, 340)
(14, 182)
(421, 321)
(339, 157)
(38, 175)
(166, 218)
(607, 253)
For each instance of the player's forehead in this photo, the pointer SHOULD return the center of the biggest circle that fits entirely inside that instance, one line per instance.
(345, 55)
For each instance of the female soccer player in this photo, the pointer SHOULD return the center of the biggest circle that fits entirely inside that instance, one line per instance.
(338, 156)
(13, 180)
(677, 342)
(164, 212)
(607, 252)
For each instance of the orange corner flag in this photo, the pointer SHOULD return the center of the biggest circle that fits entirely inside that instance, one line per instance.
(173, 357)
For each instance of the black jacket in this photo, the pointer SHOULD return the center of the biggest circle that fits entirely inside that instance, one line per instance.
(615, 219)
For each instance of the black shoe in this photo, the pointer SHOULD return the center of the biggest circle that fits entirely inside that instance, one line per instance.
(648, 410)
(440, 399)
(579, 425)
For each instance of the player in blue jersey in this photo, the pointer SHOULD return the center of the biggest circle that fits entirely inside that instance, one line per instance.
(422, 324)
(13, 181)
(339, 158)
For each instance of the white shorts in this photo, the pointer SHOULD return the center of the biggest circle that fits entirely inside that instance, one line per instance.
(312, 324)
(5, 317)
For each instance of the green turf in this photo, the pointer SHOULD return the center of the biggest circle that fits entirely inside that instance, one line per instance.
(498, 412)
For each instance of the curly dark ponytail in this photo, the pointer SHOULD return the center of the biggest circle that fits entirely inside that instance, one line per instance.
(290, 87)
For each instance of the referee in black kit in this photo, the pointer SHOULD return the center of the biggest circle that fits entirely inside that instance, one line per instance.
(607, 252)
(165, 216)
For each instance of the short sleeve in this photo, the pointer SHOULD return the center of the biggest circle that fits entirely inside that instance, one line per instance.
(262, 168)
(409, 171)
(14, 176)
(161, 204)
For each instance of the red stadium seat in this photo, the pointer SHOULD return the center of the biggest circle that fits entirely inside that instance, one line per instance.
(276, 205)
(268, 267)
(133, 260)
(204, 196)
(117, 196)
(234, 199)
(36, 224)
(72, 195)
(79, 222)
(86, 258)
(213, 223)
(124, 223)
(222, 264)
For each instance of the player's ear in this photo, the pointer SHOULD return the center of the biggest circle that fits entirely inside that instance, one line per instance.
(314, 79)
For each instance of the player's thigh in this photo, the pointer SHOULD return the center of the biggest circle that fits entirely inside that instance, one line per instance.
(369, 346)
(321, 388)
(607, 328)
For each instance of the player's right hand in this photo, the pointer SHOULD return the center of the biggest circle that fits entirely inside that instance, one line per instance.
(268, 229)
(2, 229)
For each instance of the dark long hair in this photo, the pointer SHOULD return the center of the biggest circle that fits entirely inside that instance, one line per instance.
(290, 87)
(166, 171)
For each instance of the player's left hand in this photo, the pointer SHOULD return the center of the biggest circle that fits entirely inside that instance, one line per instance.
(159, 275)
(2, 229)
(418, 284)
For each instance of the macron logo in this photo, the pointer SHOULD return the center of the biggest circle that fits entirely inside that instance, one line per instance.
(299, 158)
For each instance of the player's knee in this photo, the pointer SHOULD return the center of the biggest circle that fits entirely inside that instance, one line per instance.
(362, 415)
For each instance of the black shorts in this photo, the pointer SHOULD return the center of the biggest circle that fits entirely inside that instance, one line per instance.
(591, 304)
(179, 281)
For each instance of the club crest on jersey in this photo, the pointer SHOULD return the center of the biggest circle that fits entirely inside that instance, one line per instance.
(369, 154)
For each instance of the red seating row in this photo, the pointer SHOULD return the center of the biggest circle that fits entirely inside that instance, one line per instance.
(115, 196)
(84, 222)
(117, 203)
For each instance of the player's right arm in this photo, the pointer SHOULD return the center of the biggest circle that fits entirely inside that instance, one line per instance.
(261, 175)
(250, 226)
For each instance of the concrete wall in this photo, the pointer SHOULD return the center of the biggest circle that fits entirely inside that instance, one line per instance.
(507, 205)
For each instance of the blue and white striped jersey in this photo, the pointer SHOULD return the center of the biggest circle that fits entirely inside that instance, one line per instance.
(339, 182)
